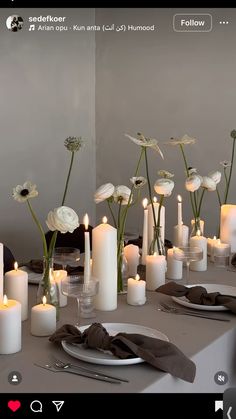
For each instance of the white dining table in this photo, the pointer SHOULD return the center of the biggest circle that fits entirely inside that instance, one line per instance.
(209, 343)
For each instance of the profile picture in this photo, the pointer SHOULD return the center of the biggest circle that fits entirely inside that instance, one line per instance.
(14, 23)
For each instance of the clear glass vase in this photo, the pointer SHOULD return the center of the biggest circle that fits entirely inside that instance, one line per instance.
(157, 246)
(47, 286)
(197, 227)
(122, 268)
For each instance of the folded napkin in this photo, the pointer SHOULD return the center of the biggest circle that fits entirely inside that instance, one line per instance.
(36, 265)
(199, 295)
(160, 354)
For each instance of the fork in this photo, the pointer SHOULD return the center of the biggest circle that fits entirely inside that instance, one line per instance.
(170, 309)
(95, 376)
(65, 365)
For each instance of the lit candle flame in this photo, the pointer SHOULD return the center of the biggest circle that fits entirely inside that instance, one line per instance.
(214, 238)
(44, 300)
(86, 221)
(145, 202)
(104, 220)
(5, 300)
(179, 198)
(155, 254)
(155, 199)
(137, 277)
(15, 266)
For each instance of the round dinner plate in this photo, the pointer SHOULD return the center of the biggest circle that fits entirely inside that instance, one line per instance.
(222, 289)
(106, 358)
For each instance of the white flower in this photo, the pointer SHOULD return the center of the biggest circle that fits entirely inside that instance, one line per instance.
(22, 193)
(182, 141)
(104, 192)
(165, 174)
(193, 183)
(122, 194)
(208, 183)
(138, 181)
(225, 163)
(146, 142)
(164, 186)
(216, 176)
(63, 219)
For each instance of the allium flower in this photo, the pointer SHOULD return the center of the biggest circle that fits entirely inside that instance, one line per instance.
(63, 219)
(225, 163)
(146, 142)
(22, 193)
(73, 143)
(193, 183)
(164, 186)
(165, 174)
(182, 141)
(138, 181)
(216, 176)
(104, 192)
(233, 134)
(122, 194)
(208, 183)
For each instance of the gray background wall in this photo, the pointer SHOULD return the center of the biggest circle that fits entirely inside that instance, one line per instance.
(161, 83)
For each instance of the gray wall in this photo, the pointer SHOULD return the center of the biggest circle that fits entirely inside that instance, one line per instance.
(164, 84)
(47, 94)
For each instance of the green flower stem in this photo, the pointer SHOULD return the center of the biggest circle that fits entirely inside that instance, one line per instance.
(218, 195)
(230, 172)
(68, 177)
(52, 244)
(45, 250)
(200, 203)
(187, 171)
(119, 218)
(150, 190)
(159, 210)
(112, 214)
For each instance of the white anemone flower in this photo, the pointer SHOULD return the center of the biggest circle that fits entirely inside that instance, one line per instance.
(138, 181)
(104, 192)
(208, 183)
(182, 141)
(146, 142)
(216, 176)
(23, 192)
(164, 186)
(225, 163)
(193, 183)
(122, 194)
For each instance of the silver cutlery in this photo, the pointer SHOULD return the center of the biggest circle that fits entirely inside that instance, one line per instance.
(65, 365)
(95, 376)
(170, 309)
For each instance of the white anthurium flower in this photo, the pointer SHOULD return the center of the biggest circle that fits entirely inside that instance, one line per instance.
(165, 174)
(63, 219)
(138, 181)
(122, 194)
(164, 186)
(146, 142)
(193, 183)
(208, 183)
(225, 163)
(182, 141)
(104, 192)
(216, 176)
(23, 192)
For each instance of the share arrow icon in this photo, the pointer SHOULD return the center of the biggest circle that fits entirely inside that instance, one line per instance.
(58, 404)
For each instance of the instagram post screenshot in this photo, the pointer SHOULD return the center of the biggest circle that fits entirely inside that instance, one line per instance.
(118, 210)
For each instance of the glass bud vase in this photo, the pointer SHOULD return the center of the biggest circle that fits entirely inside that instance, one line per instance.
(47, 286)
(197, 227)
(157, 246)
(122, 267)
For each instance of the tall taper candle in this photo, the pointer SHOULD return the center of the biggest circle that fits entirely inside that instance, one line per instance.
(87, 251)
(1, 272)
(145, 232)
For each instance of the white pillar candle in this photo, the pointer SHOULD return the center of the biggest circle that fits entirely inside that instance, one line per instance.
(145, 232)
(104, 267)
(174, 266)
(86, 250)
(155, 271)
(136, 292)
(43, 319)
(151, 221)
(199, 241)
(10, 326)
(1, 271)
(16, 288)
(59, 276)
(210, 247)
(228, 225)
(181, 236)
(131, 253)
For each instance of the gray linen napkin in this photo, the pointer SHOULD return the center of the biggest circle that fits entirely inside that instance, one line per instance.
(199, 295)
(160, 354)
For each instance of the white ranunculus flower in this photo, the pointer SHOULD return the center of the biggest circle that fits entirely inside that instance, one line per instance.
(104, 192)
(216, 176)
(122, 194)
(193, 183)
(208, 183)
(63, 219)
(164, 186)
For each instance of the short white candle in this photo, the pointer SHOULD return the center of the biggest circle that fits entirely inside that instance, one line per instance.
(59, 276)
(210, 247)
(43, 319)
(151, 221)
(16, 288)
(104, 267)
(136, 292)
(228, 225)
(221, 249)
(155, 271)
(10, 326)
(1, 271)
(145, 232)
(199, 241)
(174, 266)
(86, 250)
(131, 253)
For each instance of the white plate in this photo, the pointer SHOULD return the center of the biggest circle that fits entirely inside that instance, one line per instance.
(106, 358)
(222, 289)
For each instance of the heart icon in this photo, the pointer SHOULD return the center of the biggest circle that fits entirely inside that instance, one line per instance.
(14, 405)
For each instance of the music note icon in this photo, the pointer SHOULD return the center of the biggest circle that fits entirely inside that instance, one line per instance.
(32, 28)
